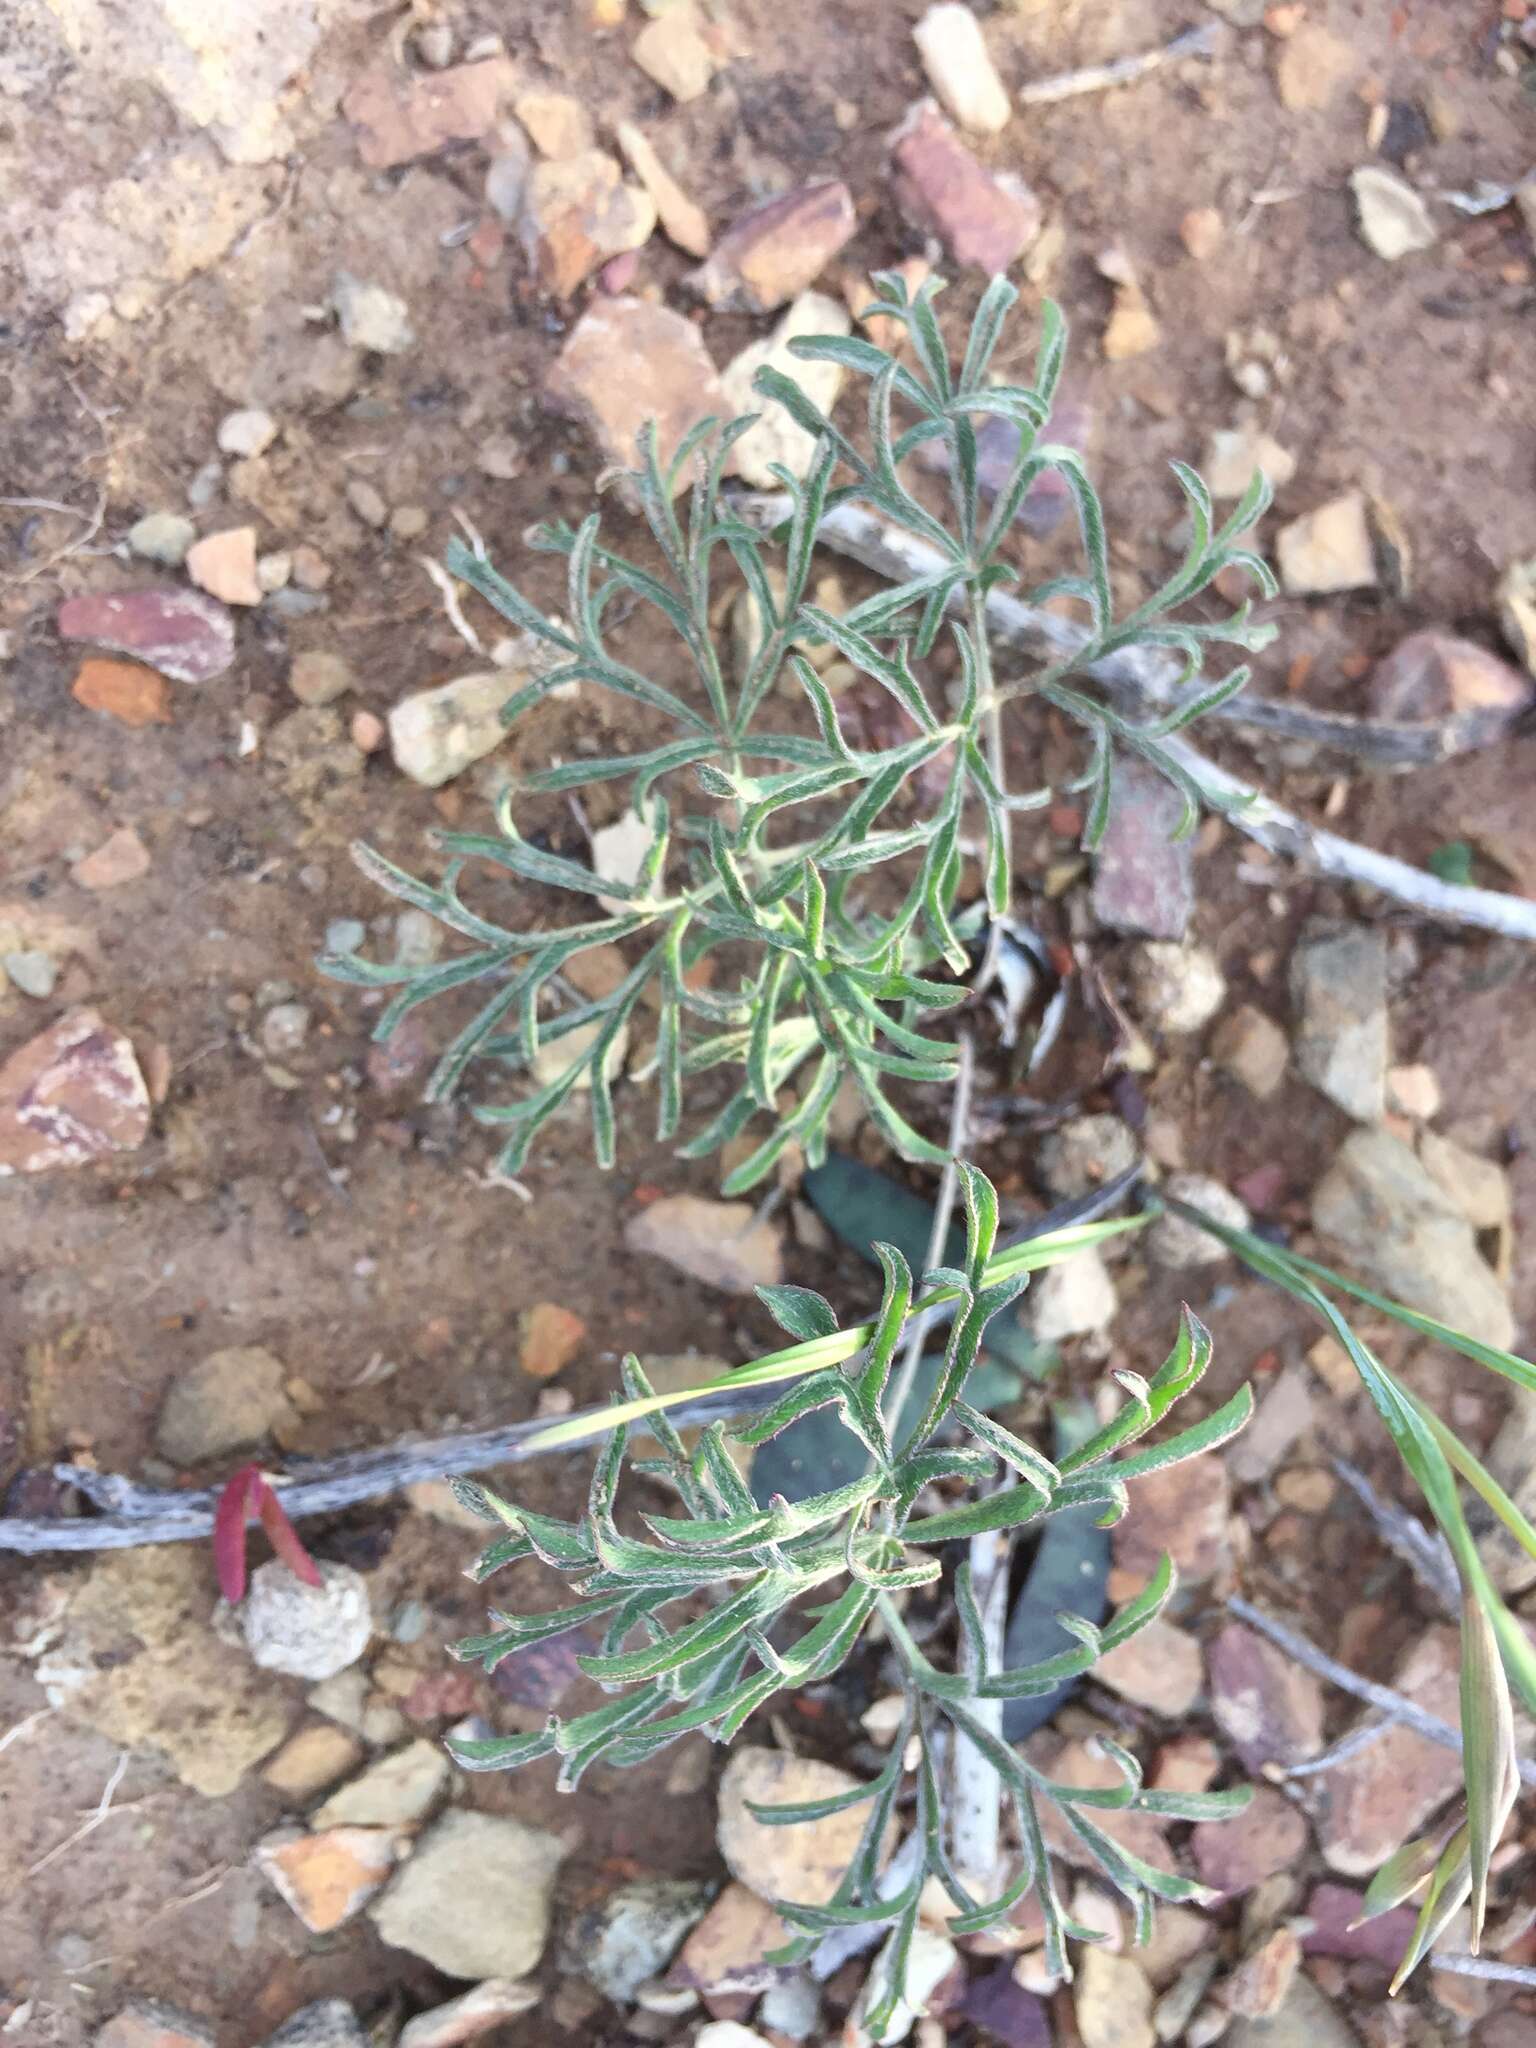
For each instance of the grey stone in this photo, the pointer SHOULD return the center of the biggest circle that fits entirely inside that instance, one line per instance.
(1085, 1153)
(632, 1934)
(371, 317)
(33, 972)
(229, 1401)
(328, 2023)
(474, 1898)
(1178, 988)
(284, 1029)
(1143, 878)
(307, 1631)
(345, 934)
(1339, 988)
(318, 677)
(162, 537)
(792, 2007)
(248, 432)
(1306, 2020)
(1400, 1231)
(1174, 1241)
(395, 1792)
(1075, 1298)
(436, 734)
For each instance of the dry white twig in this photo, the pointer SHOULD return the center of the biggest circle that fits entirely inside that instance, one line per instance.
(87, 1827)
(1190, 42)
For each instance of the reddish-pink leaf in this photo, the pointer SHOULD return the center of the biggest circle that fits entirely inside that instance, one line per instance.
(284, 1538)
(240, 1493)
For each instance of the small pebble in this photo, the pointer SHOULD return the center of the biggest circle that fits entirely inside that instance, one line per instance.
(368, 731)
(408, 522)
(318, 677)
(206, 485)
(32, 972)
(273, 571)
(249, 432)
(284, 1029)
(433, 44)
(162, 537)
(311, 571)
(367, 502)
(345, 934)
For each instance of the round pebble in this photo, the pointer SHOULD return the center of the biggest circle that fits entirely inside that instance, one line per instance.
(408, 522)
(367, 502)
(32, 972)
(345, 934)
(248, 432)
(162, 537)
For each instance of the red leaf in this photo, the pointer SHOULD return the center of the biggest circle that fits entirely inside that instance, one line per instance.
(284, 1538)
(240, 1494)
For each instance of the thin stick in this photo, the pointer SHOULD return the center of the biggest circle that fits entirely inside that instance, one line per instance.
(1140, 674)
(87, 1827)
(1349, 1745)
(1191, 42)
(1426, 1553)
(976, 1790)
(1482, 1966)
(938, 1235)
(1393, 1703)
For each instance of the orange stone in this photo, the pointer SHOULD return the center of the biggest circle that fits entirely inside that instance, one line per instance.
(552, 1336)
(122, 857)
(125, 691)
(328, 1877)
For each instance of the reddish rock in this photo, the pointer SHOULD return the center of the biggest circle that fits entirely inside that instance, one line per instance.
(627, 362)
(146, 2023)
(1144, 878)
(983, 218)
(1434, 675)
(772, 254)
(121, 857)
(998, 2004)
(475, 2013)
(132, 695)
(576, 212)
(1074, 1764)
(552, 1336)
(1381, 1797)
(541, 1674)
(1267, 1706)
(1182, 1510)
(1235, 1855)
(1189, 1763)
(725, 1952)
(69, 1096)
(1258, 1987)
(224, 564)
(185, 635)
(1333, 1909)
(328, 1877)
(1158, 1667)
(401, 114)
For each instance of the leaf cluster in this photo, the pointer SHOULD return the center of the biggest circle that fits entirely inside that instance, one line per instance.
(835, 897)
(780, 1595)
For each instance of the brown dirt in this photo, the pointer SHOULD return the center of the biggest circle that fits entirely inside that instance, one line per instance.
(336, 1220)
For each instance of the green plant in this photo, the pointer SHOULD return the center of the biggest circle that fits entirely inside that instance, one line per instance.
(836, 1562)
(830, 939)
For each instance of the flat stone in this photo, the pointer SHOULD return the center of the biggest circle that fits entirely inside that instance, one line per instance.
(121, 857)
(719, 1243)
(133, 695)
(1260, 1984)
(1394, 221)
(1306, 2020)
(71, 1095)
(627, 362)
(1143, 878)
(231, 1400)
(397, 1791)
(1182, 1510)
(1328, 550)
(576, 213)
(147, 2023)
(1176, 1241)
(556, 123)
(371, 317)
(1339, 989)
(1517, 611)
(1333, 1910)
(672, 52)
(1005, 2012)
(307, 1631)
(727, 1951)
(1269, 1707)
(327, 1878)
(247, 432)
(1478, 1187)
(1311, 67)
(1285, 1414)
(1075, 1764)
(631, 1935)
(1433, 675)
(318, 677)
(326, 2023)
(224, 564)
(185, 635)
(556, 1056)
(777, 250)
(804, 1861)
(1112, 2001)
(1401, 1232)
(1233, 457)
(1159, 1667)
(162, 537)
(682, 221)
(1234, 1855)
(1202, 231)
(402, 114)
(139, 1663)
(1075, 1298)
(311, 1761)
(552, 1337)
(960, 69)
(436, 734)
(777, 438)
(1253, 1049)
(35, 973)
(474, 1899)
(1381, 1797)
(1085, 1152)
(466, 2018)
(1178, 988)
(985, 219)
(1132, 328)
